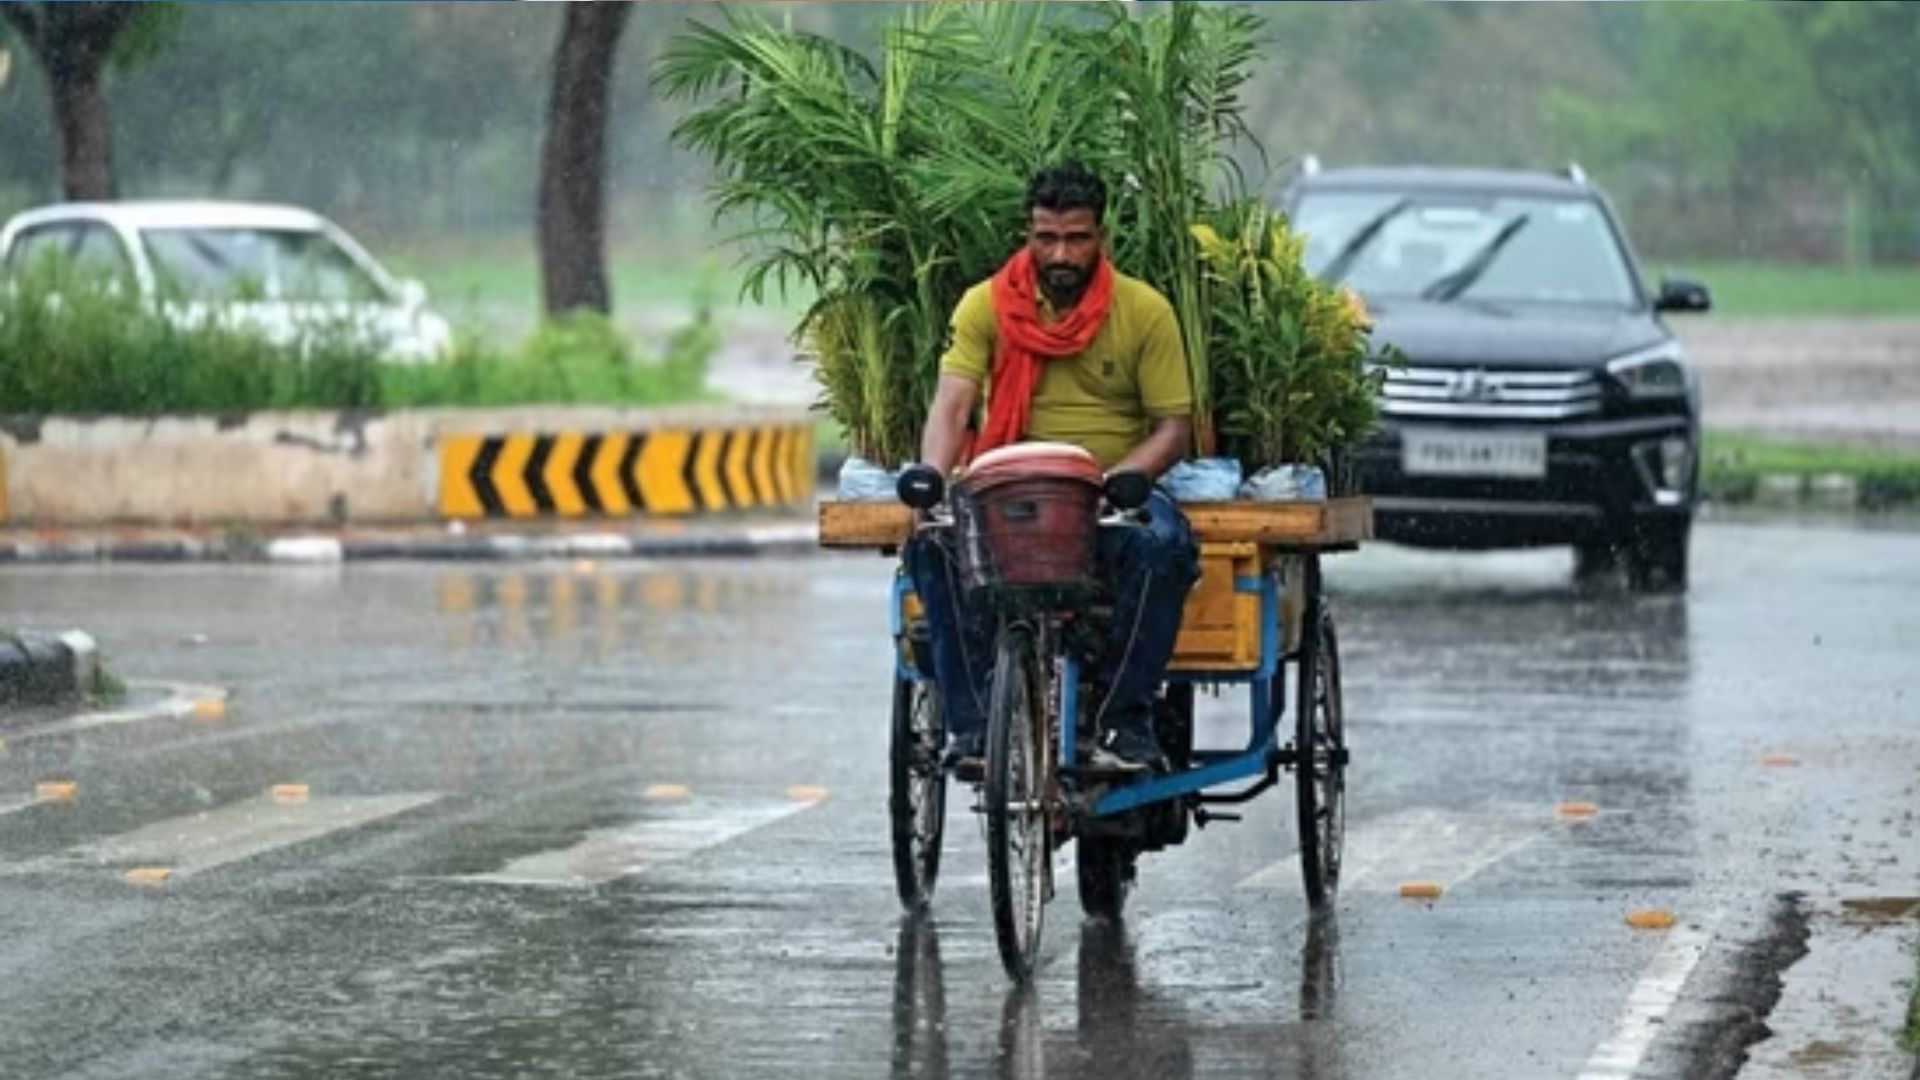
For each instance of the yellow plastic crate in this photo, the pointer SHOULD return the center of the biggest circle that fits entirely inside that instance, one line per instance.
(1220, 627)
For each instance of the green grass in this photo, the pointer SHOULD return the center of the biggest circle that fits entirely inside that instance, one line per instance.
(1786, 289)
(501, 273)
(1727, 452)
(1912, 1037)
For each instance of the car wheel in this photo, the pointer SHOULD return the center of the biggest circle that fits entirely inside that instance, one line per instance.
(1657, 558)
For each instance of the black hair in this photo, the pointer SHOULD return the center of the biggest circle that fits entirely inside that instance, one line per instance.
(1067, 186)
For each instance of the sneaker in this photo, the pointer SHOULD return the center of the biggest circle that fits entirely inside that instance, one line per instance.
(1128, 749)
(966, 752)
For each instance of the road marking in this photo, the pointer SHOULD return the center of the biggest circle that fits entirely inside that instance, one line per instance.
(681, 829)
(1640, 1020)
(14, 806)
(199, 842)
(1421, 844)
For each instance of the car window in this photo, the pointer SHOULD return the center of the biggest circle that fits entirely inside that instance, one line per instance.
(1532, 249)
(256, 264)
(42, 242)
(98, 250)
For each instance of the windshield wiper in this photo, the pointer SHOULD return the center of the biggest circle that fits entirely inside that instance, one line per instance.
(1343, 260)
(1455, 282)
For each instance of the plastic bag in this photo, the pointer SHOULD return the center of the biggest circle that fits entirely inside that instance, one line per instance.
(1202, 480)
(863, 481)
(1286, 483)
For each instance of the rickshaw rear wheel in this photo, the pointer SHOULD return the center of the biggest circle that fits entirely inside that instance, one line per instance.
(917, 791)
(1019, 832)
(1320, 762)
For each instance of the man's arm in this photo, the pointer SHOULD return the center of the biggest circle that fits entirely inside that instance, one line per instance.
(946, 432)
(1161, 450)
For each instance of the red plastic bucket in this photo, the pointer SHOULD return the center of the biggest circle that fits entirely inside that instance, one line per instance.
(1027, 516)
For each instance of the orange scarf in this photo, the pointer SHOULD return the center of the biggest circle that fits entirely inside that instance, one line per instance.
(1024, 341)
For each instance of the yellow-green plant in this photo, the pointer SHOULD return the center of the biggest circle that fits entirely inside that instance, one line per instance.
(1289, 353)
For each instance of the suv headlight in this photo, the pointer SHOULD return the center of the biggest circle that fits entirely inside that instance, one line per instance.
(1659, 372)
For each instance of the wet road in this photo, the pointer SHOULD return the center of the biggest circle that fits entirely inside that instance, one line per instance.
(629, 820)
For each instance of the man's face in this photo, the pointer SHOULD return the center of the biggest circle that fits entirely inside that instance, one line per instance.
(1065, 245)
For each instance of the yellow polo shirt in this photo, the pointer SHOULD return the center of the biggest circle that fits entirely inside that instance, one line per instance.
(1104, 398)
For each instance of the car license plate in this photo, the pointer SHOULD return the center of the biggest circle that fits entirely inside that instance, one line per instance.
(1442, 452)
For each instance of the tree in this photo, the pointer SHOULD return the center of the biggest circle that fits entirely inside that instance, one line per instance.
(573, 163)
(73, 43)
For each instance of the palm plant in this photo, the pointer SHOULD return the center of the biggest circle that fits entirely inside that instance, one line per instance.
(888, 187)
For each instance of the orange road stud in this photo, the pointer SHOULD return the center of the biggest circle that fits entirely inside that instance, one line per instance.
(210, 709)
(665, 792)
(288, 794)
(807, 793)
(148, 876)
(1575, 811)
(1650, 919)
(1779, 761)
(1421, 890)
(56, 790)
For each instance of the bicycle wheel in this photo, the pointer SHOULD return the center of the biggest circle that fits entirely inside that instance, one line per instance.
(1105, 869)
(917, 795)
(1320, 764)
(1019, 842)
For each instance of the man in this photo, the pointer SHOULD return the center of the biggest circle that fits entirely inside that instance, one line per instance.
(1070, 350)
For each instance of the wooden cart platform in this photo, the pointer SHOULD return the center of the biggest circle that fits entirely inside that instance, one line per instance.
(1333, 525)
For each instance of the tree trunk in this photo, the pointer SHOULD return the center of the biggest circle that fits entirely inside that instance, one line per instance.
(573, 163)
(86, 141)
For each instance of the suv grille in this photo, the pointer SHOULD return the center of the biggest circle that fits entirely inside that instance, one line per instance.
(1490, 394)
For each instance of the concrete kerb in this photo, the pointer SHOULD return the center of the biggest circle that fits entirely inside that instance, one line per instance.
(47, 669)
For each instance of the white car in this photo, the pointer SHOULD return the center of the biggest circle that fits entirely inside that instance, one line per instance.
(278, 269)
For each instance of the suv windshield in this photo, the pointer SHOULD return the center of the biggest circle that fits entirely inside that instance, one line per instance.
(1446, 246)
(256, 264)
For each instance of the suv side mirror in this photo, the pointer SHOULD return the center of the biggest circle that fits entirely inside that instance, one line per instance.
(1678, 294)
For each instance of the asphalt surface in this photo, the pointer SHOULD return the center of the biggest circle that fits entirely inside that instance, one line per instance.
(628, 819)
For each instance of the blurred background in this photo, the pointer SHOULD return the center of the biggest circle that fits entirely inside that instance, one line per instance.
(1770, 149)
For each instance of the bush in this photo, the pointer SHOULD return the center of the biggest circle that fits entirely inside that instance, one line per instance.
(80, 344)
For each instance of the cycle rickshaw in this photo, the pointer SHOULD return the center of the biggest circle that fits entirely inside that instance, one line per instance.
(1258, 610)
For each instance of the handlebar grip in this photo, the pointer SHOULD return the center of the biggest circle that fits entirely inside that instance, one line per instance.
(1128, 490)
(921, 487)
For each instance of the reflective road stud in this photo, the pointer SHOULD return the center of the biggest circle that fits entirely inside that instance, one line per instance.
(1650, 919)
(807, 793)
(56, 790)
(148, 876)
(288, 794)
(1421, 890)
(665, 792)
(1575, 811)
(212, 708)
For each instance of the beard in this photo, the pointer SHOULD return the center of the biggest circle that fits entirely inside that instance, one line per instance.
(1064, 277)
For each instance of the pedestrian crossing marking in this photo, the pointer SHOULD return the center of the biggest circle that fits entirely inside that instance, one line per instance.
(1421, 844)
(676, 831)
(195, 843)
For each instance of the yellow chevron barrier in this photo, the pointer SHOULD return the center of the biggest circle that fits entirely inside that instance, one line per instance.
(621, 473)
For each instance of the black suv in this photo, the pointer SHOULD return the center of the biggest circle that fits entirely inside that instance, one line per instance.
(1544, 400)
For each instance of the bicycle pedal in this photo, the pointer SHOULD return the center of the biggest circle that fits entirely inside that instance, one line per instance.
(1202, 816)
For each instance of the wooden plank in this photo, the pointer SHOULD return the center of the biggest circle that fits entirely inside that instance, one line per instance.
(864, 525)
(1337, 523)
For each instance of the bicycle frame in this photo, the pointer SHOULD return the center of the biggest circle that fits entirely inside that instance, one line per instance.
(1261, 757)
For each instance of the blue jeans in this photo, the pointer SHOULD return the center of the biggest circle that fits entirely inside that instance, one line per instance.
(1148, 570)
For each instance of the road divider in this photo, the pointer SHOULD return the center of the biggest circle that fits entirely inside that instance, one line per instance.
(671, 472)
(359, 467)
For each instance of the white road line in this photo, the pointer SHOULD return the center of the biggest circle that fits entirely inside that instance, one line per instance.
(1640, 1020)
(679, 830)
(1421, 844)
(14, 806)
(199, 842)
